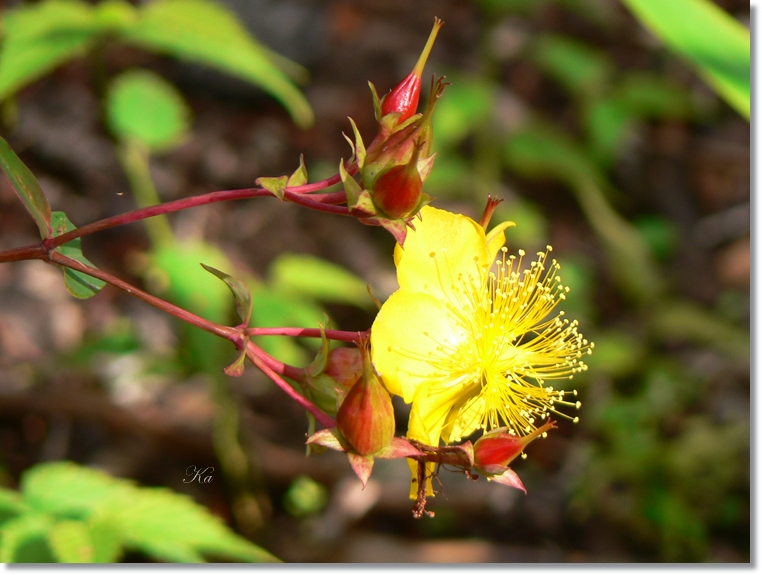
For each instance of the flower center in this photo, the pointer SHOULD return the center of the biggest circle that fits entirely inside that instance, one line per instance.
(512, 347)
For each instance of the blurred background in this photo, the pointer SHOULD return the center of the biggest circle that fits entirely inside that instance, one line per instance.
(600, 141)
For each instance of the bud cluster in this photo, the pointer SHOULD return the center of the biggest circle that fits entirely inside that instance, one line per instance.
(397, 162)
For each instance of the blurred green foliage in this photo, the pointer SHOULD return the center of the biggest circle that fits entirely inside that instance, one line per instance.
(71, 514)
(40, 36)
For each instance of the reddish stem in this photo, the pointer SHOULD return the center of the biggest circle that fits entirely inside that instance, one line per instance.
(255, 357)
(265, 362)
(349, 336)
(228, 333)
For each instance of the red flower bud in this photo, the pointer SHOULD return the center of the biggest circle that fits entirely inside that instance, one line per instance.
(397, 192)
(366, 417)
(493, 451)
(404, 97)
(344, 365)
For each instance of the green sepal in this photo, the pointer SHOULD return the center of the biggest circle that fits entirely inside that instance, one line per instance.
(376, 103)
(425, 165)
(275, 185)
(359, 145)
(351, 187)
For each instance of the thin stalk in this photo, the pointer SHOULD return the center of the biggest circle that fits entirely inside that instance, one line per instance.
(135, 161)
(253, 354)
(348, 336)
(320, 202)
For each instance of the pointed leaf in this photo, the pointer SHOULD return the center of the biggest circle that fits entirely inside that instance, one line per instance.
(70, 542)
(208, 33)
(276, 185)
(142, 105)
(362, 465)
(510, 479)
(27, 188)
(240, 292)
(299, 177)
(78, 284)
(39, 37)
(709, 38)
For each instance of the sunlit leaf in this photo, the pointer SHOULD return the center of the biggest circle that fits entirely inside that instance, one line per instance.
(173, 527)
(67, 489)
(207, 33)
(715, 43)
(27, 188)
(144, 106)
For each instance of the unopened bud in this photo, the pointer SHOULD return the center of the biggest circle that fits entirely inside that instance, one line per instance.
(366, 417)
(344, 365)
(403, 98)
(494, 450)
(397, 192)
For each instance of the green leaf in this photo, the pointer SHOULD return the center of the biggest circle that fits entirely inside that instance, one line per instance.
(27, 187)
(299, 177)
(11, 504)
(175, 274)
(241, 293)
(275, 184)
(144, 106)
(318, 279)
(69, 490)
(39, 37)
(717, 45)
(207, 33)
(172, 527)
(70, 542)
(105, 537)
(576, 66)
(78, 284)
(24, 540)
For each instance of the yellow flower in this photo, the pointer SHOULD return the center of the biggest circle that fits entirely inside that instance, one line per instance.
(469, 344)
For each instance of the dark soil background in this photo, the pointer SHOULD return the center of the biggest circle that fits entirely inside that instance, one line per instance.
(688, 500)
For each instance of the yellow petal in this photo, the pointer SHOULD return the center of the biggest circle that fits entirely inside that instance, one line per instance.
(407, 334)
(444, 253)
(464, 418)
(496, 239)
